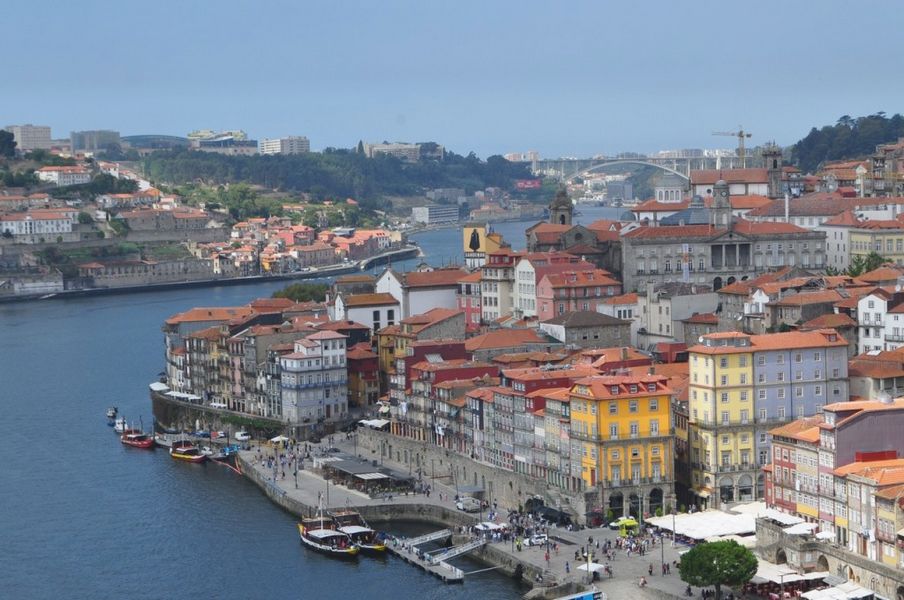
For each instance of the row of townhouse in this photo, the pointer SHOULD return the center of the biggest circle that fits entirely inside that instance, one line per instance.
(272, 358)
(740, 386)
(842, 470)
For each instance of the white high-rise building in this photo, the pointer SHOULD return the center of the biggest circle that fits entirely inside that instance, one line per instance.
(30, 137)
(295, 144)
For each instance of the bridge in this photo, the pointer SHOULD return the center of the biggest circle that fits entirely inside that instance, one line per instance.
(567, 169)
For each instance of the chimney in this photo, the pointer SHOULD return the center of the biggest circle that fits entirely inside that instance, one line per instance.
(624, 353)
(651, 370)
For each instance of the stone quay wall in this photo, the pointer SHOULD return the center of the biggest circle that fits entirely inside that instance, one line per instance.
(507, 488)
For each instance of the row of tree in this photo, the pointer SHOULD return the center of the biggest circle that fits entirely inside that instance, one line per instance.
(849, 138)
(335, 173)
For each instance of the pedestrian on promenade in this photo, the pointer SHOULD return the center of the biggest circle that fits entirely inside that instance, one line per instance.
(567, 568)
(650, 570)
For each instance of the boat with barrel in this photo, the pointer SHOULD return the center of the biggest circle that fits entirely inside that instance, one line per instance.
(352, 524)
(187, 451)
(318, 534)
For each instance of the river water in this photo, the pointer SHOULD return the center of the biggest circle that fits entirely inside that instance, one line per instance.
(82, 516)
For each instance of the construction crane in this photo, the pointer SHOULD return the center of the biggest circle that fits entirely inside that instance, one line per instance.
(740, 134)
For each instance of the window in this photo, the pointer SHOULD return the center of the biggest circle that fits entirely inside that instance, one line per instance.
(781, 375)
(613, 408)
(762, 414)
(654, 404)
(817, 391)
(761, 394)
(634, 452)
(817, 374)
(781, 393)
(761, 360)
(780, 359)
(615, 455)
(724, 396)
(723, 362)
(613, 430)
(745, 416)
(743, 378)
(634, 428)
(798, 375)
(781, 412)
(632, 406)
(723, 380)
(799, 391)
(724, 417)
(761, 378)
(742, 361)
(744, 396)
(817, 356)
(798, 357)
(613, 390)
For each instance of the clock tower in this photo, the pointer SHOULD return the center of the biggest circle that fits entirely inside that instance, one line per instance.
(720, 211)
(561, 209)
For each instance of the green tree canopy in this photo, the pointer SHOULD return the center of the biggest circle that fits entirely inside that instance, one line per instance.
(718, 563)
(304, 292)
(7, 144)
(847, 138)
(860, 265)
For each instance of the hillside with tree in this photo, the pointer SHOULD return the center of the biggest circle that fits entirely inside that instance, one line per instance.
(848, 138)
(335, 173)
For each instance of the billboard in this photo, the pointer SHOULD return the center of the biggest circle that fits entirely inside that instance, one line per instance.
(528, 184)
(474, 239)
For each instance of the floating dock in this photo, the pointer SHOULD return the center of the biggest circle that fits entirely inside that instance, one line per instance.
(433, 562)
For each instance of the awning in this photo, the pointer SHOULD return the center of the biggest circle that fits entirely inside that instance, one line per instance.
(783, 518)
(825, 535)
(159, 387)
(703, 492)
(592, 567)
(371, 476)
(800, 528)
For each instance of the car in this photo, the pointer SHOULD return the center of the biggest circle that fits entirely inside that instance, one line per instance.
(468, 504)
(202, 434)
(333, 449)
(242, 436)
(539, 539)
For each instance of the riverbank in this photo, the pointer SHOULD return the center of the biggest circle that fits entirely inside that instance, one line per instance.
(320, 273)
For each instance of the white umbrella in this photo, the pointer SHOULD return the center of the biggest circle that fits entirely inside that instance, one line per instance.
(279, 438)
(593, 567)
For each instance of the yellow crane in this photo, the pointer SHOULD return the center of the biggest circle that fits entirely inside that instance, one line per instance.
(740, 134)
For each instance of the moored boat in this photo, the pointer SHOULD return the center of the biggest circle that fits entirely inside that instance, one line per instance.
(187, 451)
(137, 439)
(120, 426)
(112, 412)
(317, 535)
(352, 524)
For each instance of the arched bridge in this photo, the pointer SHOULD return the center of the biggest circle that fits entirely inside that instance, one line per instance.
(569, 168)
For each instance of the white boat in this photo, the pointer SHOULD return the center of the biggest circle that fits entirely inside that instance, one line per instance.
(119, 425)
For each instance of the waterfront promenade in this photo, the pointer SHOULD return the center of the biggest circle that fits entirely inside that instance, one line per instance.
(627, 571)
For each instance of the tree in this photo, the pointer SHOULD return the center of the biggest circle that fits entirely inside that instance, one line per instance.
(860, 265)
(717, 564)
(85, 218)
(7, 144)
(304, 292)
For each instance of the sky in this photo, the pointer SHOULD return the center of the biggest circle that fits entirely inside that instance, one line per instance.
(562, 78)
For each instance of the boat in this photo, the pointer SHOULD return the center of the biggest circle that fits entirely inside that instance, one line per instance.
(120, 426)
(112, 412)
(137, 439)
(187, 451)
(352, 524)
(318, 534)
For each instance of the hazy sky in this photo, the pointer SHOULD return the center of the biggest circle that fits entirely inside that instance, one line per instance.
(564, 78)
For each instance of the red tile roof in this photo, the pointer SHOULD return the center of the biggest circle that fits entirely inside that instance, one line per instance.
(711, 176)
(381, 299)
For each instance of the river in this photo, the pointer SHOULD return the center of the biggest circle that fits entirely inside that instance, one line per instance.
(82, 516)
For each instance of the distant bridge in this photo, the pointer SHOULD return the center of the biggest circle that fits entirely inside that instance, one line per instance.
(567, 169)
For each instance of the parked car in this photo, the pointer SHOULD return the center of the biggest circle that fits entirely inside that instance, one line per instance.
(242, 436)
(468, 504)
(539, 539)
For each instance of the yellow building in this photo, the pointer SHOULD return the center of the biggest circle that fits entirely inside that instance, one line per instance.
(886, 238)
(720, 406)
(622, 441)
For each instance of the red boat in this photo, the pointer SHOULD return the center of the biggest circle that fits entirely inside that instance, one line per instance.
(187, 451)
(137, 439)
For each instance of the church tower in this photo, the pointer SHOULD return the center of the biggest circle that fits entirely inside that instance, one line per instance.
(772, 155)
(561, 209)
(721, 207)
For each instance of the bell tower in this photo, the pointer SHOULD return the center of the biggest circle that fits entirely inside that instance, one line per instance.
(772, 155)
(721, 208)
(561, 209)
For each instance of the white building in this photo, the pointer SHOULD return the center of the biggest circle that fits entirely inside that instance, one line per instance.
(295, 144)
(432, 215)
(63, 176)
(30, 137)
(420, 291)
(314, 379)
(880, 321)
(374, 310)
(40, 225)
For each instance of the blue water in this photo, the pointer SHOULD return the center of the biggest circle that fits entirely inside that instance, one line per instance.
(82, 516)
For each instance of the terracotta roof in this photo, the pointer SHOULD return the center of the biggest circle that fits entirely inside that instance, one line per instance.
(703, 319)
(380, 299)
(210, 314)
(654, 205)
(601, 386)
(829, 321)
(711, 176)
(342, 325)
(772, 341)
(504, 338)
(680, 231)
(586, 318)
(541, 373)
(588, 278)
(805, 430)
(356, 279)
(843, 219)
(471, 277)
(359, 354)
(751, 228)
(883, 273)
(623, 299)
(891, 493)
(882, 365)
(807, 298)
(437, 278)
(882, 472)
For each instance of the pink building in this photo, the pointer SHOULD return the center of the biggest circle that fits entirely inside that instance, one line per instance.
(566, 291)
(469, 300)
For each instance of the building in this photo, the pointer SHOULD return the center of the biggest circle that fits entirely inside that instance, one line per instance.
(314, 380)
(374, 310)
(405, 152)
(496, 283)
(741, 386)
(424, 289)
(505, 341)
(94, 141)
(877, 375)
(63, 176)
(622, 443)
(880, 320)
(719, 253)
(40, 225)
(234, 143)
(663, 306)
(743, 182)
(696, 325)
(587, 329)
(363, 376)
(529, 271)
(295, 144)
(435, 214)
(30, 137)
(560, 291)
(469, 300)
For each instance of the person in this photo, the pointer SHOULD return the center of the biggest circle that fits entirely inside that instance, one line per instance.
(643, 581)
(688, 592)
(567, 567)
(650, 570)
